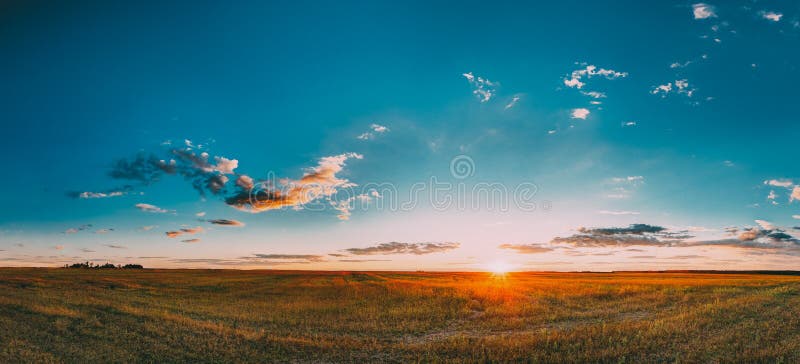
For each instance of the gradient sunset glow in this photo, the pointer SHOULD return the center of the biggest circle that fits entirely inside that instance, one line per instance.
(478, 137)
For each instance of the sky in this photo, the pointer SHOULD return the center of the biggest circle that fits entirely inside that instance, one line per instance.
(407, 135)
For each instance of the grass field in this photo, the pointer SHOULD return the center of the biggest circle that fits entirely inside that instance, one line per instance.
(75, 315)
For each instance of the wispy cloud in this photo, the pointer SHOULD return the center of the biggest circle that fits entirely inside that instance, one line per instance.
(527, 248)
(146, 207)
(404, 248)
(481, 87)
(226, 222)
(617, 212)
(104, 194)
(374, 130)
(74, 230)
(115, 246)
(513, 102)
(305, 257)
(184, 231)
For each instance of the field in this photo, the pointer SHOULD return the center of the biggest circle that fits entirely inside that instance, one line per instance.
(76, 315)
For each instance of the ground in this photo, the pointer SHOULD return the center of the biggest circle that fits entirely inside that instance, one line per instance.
(78, 315)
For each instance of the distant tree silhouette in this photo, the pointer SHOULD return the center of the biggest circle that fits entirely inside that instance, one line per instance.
(90, 265)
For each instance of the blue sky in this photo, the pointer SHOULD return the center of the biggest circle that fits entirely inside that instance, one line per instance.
(655, 136)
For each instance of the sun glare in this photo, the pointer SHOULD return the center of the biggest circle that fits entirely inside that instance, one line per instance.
(499, 267)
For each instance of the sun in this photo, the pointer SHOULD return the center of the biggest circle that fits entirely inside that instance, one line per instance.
(498, 267)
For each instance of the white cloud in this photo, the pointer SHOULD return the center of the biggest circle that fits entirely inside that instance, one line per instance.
(680, 65)
(200, 214)
(146, 207)
(225, 165)
(629, 124)
(512, 102)
(100, 194)
(766, 225)
(580, 113)
(375, 129)
(771, 195)
(771, 15)
(796, 217)
(703, 11)
(594, 94)
(576, 77)
(482, 88)
(629, 179)
(679, 86)
(607, 212)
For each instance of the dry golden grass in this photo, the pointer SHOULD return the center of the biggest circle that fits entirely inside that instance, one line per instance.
(61, 315)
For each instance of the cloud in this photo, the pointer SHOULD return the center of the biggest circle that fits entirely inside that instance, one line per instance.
(204, 172)
(680, 87)
(765, 236)
(347, 205)
(580, 113)
(481, 87)
(363, 260)
(146, 207)
(634, 180)
(104, 194)
(195, 240)
(86, 250)
(628, 124)
(527, 248)
(77, 229)
(58, 247)
(680, 65)
(786, 183)
(257, 259)
(577, 77)
(594, 94)
(636, 234)
(795, 194)
(703, 11)
(184, 231)
(114, 246)
(797, 217)
(200, 214)
(610, 212)
(766, 225)
(513, 102)
(771, 15)
(320, 182)
(226, 222)
(404, 248)
(305, 257)
(375, 129)
(143, 168)
(148, 227)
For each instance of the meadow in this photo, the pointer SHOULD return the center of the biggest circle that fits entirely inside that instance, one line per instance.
(78, 315)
